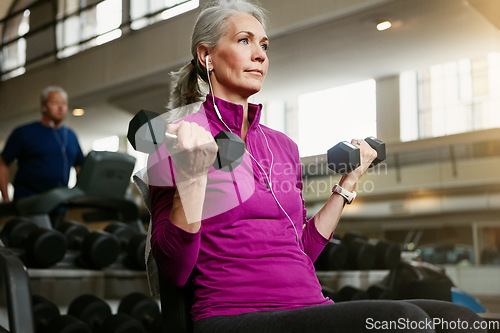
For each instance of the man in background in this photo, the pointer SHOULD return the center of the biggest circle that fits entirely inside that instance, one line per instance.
(45, 150)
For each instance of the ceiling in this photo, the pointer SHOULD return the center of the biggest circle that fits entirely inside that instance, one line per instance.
(337, 51)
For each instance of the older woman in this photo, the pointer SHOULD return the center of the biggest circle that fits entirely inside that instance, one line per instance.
(251, 264)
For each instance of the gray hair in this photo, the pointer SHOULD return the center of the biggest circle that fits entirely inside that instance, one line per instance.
(50, 89)
(190, 82)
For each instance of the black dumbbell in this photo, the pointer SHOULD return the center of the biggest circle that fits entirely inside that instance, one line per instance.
(147, 131)
(330, 293)
(133, 244)
(39, 247)
(361, 254)
(48, 319)
(143, 308)
(387, 255)
(379, 291)
(344, 156)
(96, 249)
(97, 314)
(333, 256)
(350, 293)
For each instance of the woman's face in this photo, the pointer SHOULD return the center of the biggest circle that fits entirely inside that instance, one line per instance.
(239, 61)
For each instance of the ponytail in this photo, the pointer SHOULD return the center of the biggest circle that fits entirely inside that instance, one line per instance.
(186, 87)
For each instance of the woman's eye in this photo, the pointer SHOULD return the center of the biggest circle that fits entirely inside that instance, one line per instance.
(243, 40)
(264, 47)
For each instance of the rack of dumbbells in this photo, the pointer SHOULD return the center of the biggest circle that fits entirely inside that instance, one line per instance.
(75, 276)
(355, 268)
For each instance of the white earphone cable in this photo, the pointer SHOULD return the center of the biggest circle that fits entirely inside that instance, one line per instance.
(268, 178)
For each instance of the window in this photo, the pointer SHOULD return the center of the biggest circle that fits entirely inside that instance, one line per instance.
(14, 49)
(66, 27)
(111, 143)
(83, 26)
(146, 12)
(340, 114)
(450, 98)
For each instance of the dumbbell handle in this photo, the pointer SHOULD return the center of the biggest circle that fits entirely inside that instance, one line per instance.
(219, 163)
(171, 135)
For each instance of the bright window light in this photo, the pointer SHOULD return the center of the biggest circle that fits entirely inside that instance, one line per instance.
(185, 7)
(340, 114)
(109, 15)
(110, 143)
(408, 106)
(108, 37)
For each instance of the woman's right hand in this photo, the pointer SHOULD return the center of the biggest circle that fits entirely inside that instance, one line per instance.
(194, 151)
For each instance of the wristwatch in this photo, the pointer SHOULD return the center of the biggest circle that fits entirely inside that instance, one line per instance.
(349, 196)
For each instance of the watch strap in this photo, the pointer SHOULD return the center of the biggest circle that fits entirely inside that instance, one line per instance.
(348, 196)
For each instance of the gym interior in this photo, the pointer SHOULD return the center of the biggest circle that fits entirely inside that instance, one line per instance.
(422, 76)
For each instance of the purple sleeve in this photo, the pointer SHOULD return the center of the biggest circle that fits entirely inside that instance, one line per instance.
(174, 249)
(313, 241)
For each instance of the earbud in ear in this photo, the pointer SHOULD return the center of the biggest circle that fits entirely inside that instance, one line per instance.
(206, 61)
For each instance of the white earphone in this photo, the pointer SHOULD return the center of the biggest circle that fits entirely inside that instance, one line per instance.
(206, 62)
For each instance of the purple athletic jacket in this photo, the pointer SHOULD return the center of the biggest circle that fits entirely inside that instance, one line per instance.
(247, 256)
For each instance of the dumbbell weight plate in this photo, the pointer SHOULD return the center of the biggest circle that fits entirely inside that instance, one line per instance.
(375, 291)
(67, 324)
(90, 309)
(333, 256)
(146, 131)
(330, 293)
(75, 232)
(230, 151)
(361, 254)
(121, 323)
(349, 293)
(135, 252)
(141, 307)
(343, 158)
(44, 311)
(16, 230)
(100, 249)
(351, 235)
(379, 147)
(388, 255)
(133, 243)
(122, 231)
(45, 247)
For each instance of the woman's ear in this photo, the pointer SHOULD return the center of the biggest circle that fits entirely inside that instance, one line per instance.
(204, 56)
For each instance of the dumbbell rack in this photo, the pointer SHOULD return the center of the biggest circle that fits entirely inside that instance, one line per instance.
(356, 278)
(61, 285)
(54, 284)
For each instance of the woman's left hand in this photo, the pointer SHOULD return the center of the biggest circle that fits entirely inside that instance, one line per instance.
(367, 154)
